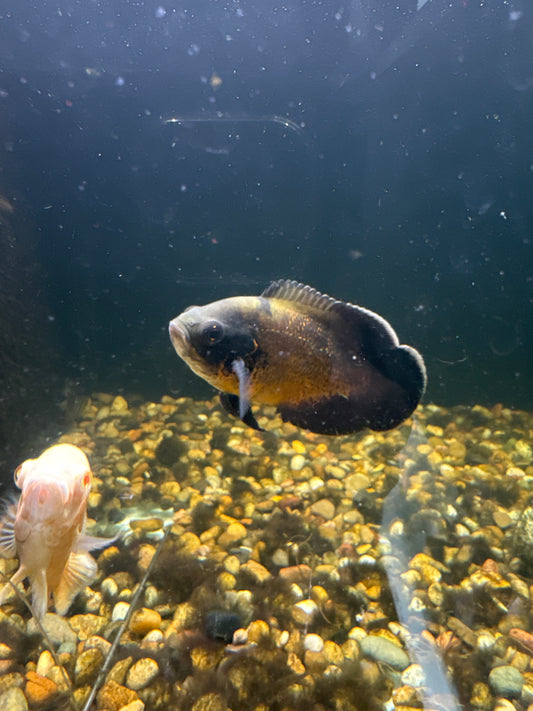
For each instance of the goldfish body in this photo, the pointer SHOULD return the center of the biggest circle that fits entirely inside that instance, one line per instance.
(45, 528)
(328, 366)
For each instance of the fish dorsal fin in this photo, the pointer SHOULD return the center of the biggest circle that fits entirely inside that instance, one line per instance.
(290, 290)
(371, 336)
(355, 317)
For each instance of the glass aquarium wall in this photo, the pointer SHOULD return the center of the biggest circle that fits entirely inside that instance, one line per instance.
(299, 511)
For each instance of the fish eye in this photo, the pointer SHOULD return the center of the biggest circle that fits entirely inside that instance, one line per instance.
(213, 332)
(16, 475)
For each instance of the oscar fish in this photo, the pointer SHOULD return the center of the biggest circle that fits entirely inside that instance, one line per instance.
(328, 366)
(45, 528)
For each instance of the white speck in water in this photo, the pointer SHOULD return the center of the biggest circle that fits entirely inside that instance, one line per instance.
(502, 214)
(119, 81)
(160, 12)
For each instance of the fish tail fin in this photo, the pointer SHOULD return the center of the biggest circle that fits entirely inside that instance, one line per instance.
(404, 365)
(79, 572)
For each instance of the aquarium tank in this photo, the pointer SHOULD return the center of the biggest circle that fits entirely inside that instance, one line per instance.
(266, 412)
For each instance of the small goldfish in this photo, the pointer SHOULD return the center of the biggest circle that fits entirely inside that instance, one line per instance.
(45, 528)
(328, 366)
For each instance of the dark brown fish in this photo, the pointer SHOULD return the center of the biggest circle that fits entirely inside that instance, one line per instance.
(328, 366)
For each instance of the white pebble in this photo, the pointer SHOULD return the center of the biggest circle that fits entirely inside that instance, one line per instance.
(485, 642)
(357, 633)
(45, 663)
(296, 592)
(240, 636)
(304, 612)
(120, 611)
(313, 643)
(153, 637)
(417, 605)
(141, 673)
(283, 638)
(297, 462)
(109, 588)
(396, 529)
(280, 558)
(414, 676)
(151, 596)
(316, 483)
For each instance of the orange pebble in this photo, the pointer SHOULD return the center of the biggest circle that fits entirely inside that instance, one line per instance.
(39, 689)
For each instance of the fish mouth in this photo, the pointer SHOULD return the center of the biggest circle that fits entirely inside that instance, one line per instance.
(179, 336)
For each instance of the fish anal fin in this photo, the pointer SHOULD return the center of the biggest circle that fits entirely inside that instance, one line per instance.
(79, 572)
(379, 409)
(231, 404)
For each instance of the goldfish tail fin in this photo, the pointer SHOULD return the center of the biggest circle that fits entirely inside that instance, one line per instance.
(79, 572)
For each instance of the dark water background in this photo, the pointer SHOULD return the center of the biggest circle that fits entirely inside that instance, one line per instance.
(382, 154)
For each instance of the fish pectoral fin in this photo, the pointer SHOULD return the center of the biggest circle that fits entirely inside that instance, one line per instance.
(86, 543)
(39, 594)
(243, 376)
(80, 571)
(232, 405)
(8, 544)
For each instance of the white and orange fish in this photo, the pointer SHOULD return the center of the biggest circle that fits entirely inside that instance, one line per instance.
(46, 528)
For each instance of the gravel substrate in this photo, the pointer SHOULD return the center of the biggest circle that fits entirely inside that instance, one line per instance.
(299, 572)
